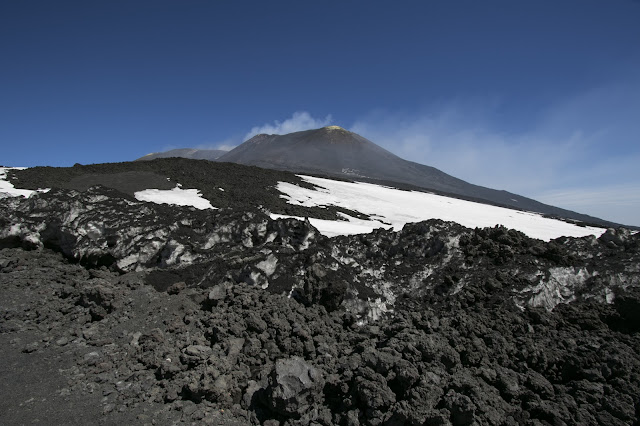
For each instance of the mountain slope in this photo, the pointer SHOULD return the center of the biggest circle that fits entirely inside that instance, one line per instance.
(195, 154)
(334, 207)
(335, 151)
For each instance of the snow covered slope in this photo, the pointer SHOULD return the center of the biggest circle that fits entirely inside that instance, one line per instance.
(390, 207)
(334, 151)
(385, 207)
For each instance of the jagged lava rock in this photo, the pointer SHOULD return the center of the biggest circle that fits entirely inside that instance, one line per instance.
(226, 316)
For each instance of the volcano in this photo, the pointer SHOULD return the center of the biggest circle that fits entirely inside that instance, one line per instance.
(337, 152)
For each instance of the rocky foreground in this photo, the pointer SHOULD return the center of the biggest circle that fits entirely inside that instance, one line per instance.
(119, 311)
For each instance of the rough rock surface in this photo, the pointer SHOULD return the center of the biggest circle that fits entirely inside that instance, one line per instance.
(128, 312)
(223, 184)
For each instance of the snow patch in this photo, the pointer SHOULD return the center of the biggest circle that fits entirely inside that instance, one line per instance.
(268, 266)
(560, 287)
(333, 228)
(8, 190)
(175, 252)
(418, 279)
(92, 230)
(176, 196)
(376, 309)
(395, 208)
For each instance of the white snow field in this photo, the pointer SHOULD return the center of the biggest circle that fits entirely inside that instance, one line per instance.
(332, 228)
(177, 196)
(390, 207)
(8, 190)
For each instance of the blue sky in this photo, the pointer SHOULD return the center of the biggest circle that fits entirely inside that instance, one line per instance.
(537, 97)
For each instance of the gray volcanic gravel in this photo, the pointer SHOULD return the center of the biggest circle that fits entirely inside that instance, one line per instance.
(119, 311)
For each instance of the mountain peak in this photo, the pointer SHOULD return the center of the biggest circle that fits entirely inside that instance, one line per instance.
(335, 128)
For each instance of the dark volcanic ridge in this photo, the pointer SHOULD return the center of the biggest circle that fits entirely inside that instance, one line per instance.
(244, 188)
(192, 153)
(151, 313)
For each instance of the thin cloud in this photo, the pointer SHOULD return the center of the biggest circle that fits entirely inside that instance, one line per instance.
(618, 203)
(458, 141)
(226, 145)
(299, 121)
(166, 148)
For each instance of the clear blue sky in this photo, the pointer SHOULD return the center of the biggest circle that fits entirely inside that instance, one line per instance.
(538, 97)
